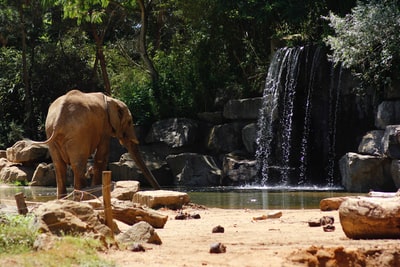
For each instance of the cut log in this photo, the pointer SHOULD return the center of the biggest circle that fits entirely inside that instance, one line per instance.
(132, 215)
(370, 217)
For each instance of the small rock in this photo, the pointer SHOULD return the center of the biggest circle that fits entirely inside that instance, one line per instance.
(329, 228)
(314, 223)
(137, 248)
(217, 248)
(326, 220)
(218, 229)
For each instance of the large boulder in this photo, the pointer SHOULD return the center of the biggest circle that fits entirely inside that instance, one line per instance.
(391, 141)
(361, 173)
(249, 136)
(225, 137)
(366, 218)
(16, 173)
(27, 151)
(176, 132)
(395, 172)
(388, 113)
(45, 175)
(371, 143)
(239, 170)
(141, 232)
(193, 169)
(243, 108)
(124, 190)
(70, 217)
(161, 198)
(126, 169)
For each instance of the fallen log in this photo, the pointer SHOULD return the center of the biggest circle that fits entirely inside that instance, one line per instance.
(132, 215)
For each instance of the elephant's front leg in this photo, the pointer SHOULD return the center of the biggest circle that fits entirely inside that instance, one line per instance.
(100, 161)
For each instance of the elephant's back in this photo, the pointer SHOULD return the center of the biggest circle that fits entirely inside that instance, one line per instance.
(74, 111)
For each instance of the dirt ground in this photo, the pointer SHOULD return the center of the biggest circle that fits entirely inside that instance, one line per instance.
(284, 241)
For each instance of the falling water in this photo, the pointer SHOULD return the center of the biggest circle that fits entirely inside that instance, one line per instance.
(297, 126)
(333, 110)
(307, 123)
(285, 61)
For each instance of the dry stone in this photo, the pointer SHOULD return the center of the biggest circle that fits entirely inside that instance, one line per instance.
(370, 217)
(70, 217)
(141, 232)
(331, 203)
(16, 173)
(3, 154)
(24, 151)
(161, 198)
(124, 190)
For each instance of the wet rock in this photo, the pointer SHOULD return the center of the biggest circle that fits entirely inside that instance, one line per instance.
(249, 136)
(161, 198)
(175, 132)
(388, 113)
(371, 218)
(243, 108)
(362, 173)
(192, 169)
(141, 232)
(239, 170)
(217, 248)
(226, 137)
(371, 143)
(391, 141)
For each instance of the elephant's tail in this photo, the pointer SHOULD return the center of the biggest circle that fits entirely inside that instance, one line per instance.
(50, 139)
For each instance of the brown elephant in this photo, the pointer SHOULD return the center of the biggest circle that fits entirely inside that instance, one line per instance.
(80, 124)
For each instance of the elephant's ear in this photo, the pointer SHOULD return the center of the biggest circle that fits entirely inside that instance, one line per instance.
(115, 114)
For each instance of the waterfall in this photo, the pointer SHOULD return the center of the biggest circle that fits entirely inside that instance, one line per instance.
(296, 140)
(334, 97)
(307, 117)
(285, 63)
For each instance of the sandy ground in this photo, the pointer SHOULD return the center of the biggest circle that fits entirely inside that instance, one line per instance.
(284, 241)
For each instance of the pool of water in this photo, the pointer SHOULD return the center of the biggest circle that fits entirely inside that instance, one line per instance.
(246, 197)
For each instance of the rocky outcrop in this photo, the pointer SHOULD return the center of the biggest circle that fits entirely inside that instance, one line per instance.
(376, 165)
(361, 173)
(370, 218)
(178, 151)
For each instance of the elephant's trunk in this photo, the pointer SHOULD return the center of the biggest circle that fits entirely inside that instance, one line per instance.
(135, 154)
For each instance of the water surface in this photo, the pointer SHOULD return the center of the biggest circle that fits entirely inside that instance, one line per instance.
(245, 197)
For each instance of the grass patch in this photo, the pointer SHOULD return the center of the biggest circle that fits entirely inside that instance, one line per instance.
(17, 236)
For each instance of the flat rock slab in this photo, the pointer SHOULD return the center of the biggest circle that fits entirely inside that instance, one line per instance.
(370, 217)
(161, 198)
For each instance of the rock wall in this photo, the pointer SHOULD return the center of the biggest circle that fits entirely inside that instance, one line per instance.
(215, 149)
(376, 165)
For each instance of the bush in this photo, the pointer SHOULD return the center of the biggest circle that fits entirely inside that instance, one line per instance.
(367, 42)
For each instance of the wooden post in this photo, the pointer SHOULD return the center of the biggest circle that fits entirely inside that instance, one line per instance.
(107, 200)
(21, 205)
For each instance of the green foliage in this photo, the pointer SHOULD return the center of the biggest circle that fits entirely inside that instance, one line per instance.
(366, 41)
(16, 233)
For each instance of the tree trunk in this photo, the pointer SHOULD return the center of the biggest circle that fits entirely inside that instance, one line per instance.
(142, 46)
(100, 55)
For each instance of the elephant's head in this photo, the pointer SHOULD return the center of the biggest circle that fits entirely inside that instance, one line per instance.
(122, 128)
(121, 122)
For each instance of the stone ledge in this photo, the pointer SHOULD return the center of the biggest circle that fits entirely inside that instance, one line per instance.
(161, 198)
